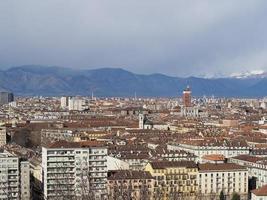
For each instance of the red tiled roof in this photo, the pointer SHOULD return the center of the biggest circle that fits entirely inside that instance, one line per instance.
(214, 157)
(262, 191)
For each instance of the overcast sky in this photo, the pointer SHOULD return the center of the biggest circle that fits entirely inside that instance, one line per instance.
(175, 37)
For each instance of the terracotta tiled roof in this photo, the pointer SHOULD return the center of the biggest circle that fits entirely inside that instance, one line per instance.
(262, 191)
(214, 157)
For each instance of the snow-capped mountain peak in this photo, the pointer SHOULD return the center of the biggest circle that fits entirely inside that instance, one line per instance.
(250, 74)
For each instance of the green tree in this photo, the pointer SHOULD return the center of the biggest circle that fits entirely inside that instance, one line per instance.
(222, 196)
(235, 196)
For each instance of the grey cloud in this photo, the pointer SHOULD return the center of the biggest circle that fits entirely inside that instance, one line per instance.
(176, 37)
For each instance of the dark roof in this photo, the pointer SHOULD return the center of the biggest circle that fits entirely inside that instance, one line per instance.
(248, 158)
(220, 167)
(65, 144)
(172, 164)
(128, 174)
(148, 122)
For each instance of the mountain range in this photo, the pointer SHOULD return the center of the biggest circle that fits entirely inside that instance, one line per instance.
(34, 80)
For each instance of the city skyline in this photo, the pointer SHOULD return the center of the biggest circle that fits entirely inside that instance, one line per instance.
(133, 100)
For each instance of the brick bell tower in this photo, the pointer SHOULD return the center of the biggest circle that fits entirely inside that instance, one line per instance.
(187, 97)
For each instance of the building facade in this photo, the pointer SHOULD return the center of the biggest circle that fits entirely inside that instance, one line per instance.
(64, 102)
(75, 170)
(257, 167)
(2, 136)
(6, 97)
(227, 178)
(77, 103)
(187, 97)
(128, 184)
(200, 151)
(14, 177)
(174, 179)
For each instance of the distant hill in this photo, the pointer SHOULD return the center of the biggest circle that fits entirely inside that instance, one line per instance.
(55, 81)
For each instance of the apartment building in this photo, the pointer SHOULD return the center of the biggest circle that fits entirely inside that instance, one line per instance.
(14, 177)
(128, 184)
(226, 177)
(75, 169)
(259, 194)
(174, 179)
(36, 178)
(52, 135)
(202, 148)
(2, 136)
(257, 167)
(25, 180)
(77, 103)
(6, 97)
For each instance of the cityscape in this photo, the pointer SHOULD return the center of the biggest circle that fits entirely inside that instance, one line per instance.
(133, 100)
(75, 147)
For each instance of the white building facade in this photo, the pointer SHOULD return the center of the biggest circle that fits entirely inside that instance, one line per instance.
(200, 151)
(77, 103)
(72, 169)
(14, 177)
(226, 177)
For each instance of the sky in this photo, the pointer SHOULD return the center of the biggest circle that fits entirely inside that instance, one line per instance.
(175, 37)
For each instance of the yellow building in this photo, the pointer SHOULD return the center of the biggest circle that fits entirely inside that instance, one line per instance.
(174, 179)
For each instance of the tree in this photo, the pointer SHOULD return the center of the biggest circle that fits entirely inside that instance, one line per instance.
(235, 196)
(222, 196)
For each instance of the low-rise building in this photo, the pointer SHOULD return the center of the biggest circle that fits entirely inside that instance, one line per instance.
(128, 184)
(256, 166)
(174, 179)
(226, 177)
(202, 148)
(259, 194)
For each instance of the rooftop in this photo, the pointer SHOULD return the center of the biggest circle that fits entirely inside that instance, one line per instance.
(262, 191)
(173, 164)
(220, 167)
(129, 174)
(65, 144)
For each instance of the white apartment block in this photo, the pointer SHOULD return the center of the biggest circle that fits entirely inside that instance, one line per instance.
(75, 170)
(190, 111)
(14, 177)
(226, 177)
(257, 167)
(77, 103)
(64, 102)
(200, 151)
